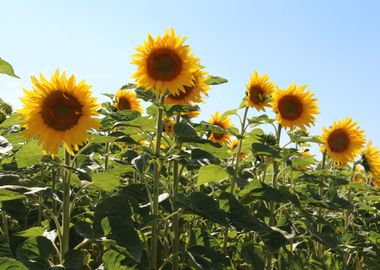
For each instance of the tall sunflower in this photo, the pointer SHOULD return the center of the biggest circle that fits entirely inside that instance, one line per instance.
(295, 107)
(258, 91)
(343, 141)
(58, 112)
(165, 64)
(371, 159)
(127, 100)
(224, 123)
(192, 94)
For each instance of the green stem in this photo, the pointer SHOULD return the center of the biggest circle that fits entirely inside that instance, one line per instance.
(233, 181)
(106, 158)
(40, 198)
(319, 246)
(176, 217)
(66, 208)
(272, 205)
(5, 228)
(156, 185)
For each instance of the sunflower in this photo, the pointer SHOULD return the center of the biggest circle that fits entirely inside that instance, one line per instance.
(58, 112)
(371, 159)
(224, 123)
(127, 100)
(376, 183)
(165, 64)
(295, 107)
(343, 141)
(192, 94)
(258, 91)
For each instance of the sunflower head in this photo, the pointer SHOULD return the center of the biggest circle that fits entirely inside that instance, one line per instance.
(192, 94)
(58, 112)
(224, 123)
(295, 107)
(343, 141)
(371, 159)
(165, 64)
(376, 183)
(258, 91)
(359, 172)
(127, 100)
(233, 144)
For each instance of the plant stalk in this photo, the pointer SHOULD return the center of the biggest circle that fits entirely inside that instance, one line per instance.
(156, 185)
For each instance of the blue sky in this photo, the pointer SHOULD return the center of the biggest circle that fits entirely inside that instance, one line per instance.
(333, 46)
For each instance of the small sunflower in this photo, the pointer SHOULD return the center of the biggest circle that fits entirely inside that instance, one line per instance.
(295, 107)
(371, 159)
(376, 183)
(258, 91)
(127, 100)
(222, 122)
(343, 141)
(192, 94)
(165, 64)
(58, 112)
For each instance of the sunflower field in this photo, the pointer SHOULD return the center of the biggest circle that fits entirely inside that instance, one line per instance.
(138, 182)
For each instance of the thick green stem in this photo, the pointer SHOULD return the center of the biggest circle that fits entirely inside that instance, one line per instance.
(233, 181)
(106, 158)
(176, 217)
(319, 246)
(156, 186)
(272, 206)
(66, 208)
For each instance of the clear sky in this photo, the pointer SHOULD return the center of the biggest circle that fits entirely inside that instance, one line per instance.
(333, 46)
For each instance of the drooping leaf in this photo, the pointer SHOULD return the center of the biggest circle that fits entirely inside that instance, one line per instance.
(11, 264)
(215, 80)
(6, 68)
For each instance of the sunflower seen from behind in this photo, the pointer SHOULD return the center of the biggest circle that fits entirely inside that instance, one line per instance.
(58, 112)
(224, 123)
(259, 89)
(192, 94)
(343, 141)
(127, 100)
(165, 64)
(370, 160)
(295, 107)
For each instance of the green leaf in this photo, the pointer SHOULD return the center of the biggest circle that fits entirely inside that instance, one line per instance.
(31, 232)
(205, 206)
(11, 264)
(254, 255)
(29, 154)
(6, 68)
(5, 146)
(203, 157)
(208, 258)
(113, 260)
(5, 250)
(124, 234)
(274, 240)
(211, 173)
(106, 181)
(73, 260)
(35, 252)
(184, 130)
(215, 80)
(6, 195)
(265, 150)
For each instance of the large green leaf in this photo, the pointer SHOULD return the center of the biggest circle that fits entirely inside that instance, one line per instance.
(73, 260)
(11, 264)
(113, 260)
(211, 173)
(35, 252)
(6, 195)
(106, 181)
(124, 234)
(29, 154)
(6, 68)
(254, 255)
